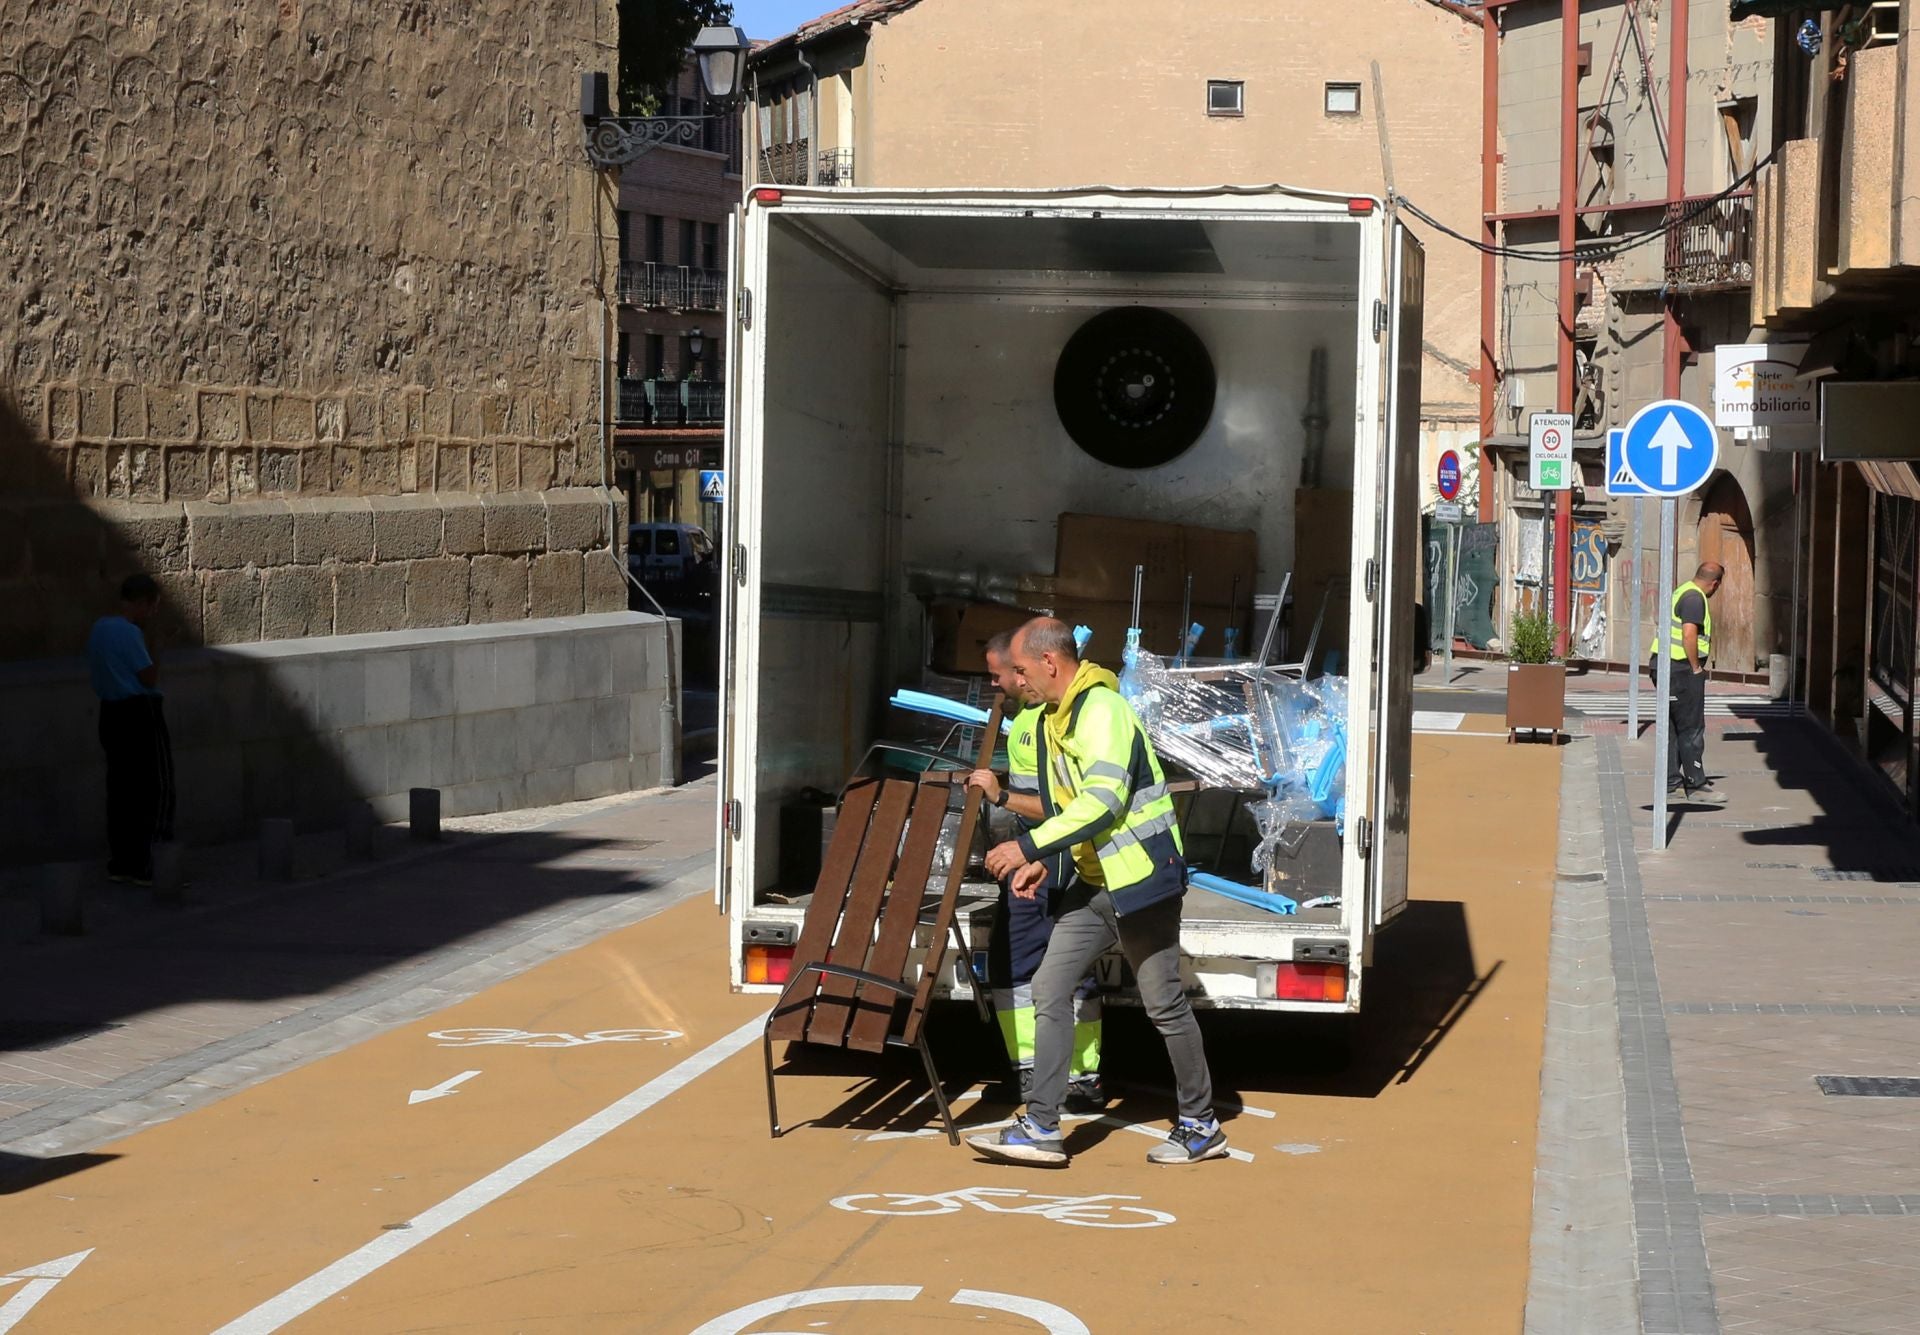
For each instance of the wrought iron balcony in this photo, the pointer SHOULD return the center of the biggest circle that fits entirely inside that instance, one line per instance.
(785, 164)
(836, 167)
(1710, 246)
(663, 402)
(672, 287)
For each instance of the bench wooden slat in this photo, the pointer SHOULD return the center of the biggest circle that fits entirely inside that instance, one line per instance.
(855, 939)
(874, 1010)
(950, 898)
(823, 913)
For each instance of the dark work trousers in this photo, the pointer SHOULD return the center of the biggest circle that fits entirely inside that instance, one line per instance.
(133, 733)
(1687, 713)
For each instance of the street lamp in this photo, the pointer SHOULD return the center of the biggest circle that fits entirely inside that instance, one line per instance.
(613, 141)
(696, 344)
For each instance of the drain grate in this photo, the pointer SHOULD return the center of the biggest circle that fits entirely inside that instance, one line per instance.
(1870, 1086)
(1776, 866)
(1897, 875)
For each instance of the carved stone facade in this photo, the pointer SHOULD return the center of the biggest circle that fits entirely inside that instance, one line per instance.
(277, 268)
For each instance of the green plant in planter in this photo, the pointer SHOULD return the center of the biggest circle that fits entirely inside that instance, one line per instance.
(1531, 638)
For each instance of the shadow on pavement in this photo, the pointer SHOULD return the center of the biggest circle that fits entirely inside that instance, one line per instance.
(22, 1172)
(1862, 833)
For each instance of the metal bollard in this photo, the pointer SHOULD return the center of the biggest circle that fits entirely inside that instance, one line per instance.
(276, 849)
(360, 827)
(169, 873)
(669, 745)
(423, 813)
(63, 897)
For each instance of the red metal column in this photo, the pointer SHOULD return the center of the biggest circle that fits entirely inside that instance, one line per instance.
(1489, 233)
(1563, 391)
(1673, 345)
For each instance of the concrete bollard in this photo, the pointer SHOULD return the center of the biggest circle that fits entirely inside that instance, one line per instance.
(360, 829)
(669, 745)
(63, 892)
(169, 873)
(423, 813)
(276, 849)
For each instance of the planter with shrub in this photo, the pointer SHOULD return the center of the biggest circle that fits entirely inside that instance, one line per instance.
(1536, 685)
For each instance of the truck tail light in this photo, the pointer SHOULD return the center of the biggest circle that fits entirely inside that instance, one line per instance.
(769, 964)
(1359, 208)
(1308, 982)
(766, 195)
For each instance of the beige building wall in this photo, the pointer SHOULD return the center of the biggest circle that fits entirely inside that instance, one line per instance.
(302, 316)
(1014, 93)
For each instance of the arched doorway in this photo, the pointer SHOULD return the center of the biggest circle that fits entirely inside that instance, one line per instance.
(1726, 537)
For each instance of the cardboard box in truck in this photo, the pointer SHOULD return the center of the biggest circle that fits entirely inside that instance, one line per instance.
(903, 405)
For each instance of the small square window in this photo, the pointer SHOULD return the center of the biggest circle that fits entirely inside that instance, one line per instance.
(1226, 97)
(1343, 99)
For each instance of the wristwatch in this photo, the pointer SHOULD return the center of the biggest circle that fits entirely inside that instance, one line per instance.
(1000, 799)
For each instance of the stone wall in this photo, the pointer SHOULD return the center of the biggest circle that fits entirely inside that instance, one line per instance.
(495, 716)
(303, 315)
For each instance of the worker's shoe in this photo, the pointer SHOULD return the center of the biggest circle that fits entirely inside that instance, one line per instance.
(1190, 1142)
(1086, 1094)
(1704, 796)
(1023, 1142)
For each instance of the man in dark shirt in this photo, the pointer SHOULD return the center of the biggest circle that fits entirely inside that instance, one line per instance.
(1689, 643)
(133, 733)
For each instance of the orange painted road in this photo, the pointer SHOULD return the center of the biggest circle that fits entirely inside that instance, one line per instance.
(584, 1148)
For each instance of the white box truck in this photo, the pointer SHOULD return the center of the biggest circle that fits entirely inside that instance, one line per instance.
(896, 355)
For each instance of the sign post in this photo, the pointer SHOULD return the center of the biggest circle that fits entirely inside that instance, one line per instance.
(1447, 479)
(1622, 482)
(1668, 449)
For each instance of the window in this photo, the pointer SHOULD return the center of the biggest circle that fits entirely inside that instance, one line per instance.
(639, 541)
(1343, 99)
(710, 245)
(1226, 97)
(624, 222)
(687, 232)
(656, 357)
(624, 357)
(656, 238)
(666, 542)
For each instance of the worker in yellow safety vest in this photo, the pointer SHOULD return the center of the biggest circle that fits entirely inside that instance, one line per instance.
(1689, 643)
(1113, 811)
(1021, 926)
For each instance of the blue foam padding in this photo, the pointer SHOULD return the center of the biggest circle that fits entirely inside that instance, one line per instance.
(1245, 894)
(939, 706)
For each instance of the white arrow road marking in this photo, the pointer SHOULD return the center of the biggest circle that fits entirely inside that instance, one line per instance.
(1669, 441)
(40, 1281)
(356, 1265)
(440, 1091)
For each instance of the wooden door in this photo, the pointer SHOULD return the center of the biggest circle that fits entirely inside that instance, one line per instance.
(1726, 537)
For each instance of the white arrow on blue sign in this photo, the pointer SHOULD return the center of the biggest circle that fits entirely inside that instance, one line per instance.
(1669, 448)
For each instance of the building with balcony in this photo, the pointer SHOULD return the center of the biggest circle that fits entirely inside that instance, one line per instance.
(1836, 292)
(670, 343)
(1658, 196)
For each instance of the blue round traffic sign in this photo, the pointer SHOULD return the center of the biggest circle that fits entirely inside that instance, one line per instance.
(1449, 475)
(1670, 447)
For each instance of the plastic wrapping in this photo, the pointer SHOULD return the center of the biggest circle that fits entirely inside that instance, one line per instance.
(1203, 726)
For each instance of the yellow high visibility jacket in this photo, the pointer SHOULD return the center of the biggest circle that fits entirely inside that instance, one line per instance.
(1106, 796)
(1676, 633)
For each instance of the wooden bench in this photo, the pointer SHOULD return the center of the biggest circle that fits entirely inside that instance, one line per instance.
(850, 962)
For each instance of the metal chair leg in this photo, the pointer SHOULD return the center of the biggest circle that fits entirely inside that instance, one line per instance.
(933, 1078)
(773, 1107)
(981, 1002)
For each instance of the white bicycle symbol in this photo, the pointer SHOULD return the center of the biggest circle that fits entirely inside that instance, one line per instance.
(520, 1038)
(1086, 1211)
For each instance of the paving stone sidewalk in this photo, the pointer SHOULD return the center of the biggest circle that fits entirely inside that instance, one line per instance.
(1772, 943)
(157, 1010)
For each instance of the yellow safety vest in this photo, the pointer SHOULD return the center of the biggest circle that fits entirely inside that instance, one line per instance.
(1676, 632)
(1023, 752)
(1105, 793)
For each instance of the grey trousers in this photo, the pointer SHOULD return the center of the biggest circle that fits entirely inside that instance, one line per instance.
(1150, 939)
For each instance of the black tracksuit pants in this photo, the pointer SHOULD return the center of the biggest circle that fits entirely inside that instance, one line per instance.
(133, 733)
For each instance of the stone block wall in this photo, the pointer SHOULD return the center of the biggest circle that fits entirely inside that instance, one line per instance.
(495, 716)
(304, 316)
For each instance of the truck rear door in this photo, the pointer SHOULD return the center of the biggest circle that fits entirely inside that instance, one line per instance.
(1398, 547)
(738, 625)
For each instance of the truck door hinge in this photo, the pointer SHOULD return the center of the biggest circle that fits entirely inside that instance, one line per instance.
(733, 817)
(746, 308)
(1363, 831)
(1373, 578)
(1379, 317)
(740, 564)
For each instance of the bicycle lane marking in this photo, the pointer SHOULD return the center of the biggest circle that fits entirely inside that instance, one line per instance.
(390, 1246)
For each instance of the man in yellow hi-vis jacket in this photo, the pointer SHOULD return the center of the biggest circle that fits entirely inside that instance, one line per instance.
(1689, 642)
(1022, 926)
(1113, 811)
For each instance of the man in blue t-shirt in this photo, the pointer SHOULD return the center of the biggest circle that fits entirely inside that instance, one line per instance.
(133, 733)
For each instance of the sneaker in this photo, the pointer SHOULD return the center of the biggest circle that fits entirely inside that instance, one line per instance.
(1086, 1094)
(1705, 796)
(1190, 1142)
(1023, 1142)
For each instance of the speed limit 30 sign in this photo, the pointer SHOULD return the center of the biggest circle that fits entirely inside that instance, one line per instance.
(1550, 451)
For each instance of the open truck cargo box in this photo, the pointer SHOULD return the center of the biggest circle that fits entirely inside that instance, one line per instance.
(895, 365)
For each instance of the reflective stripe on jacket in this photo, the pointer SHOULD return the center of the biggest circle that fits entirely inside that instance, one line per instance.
(1023, 751)
(1676, 629)
(1106, 793)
